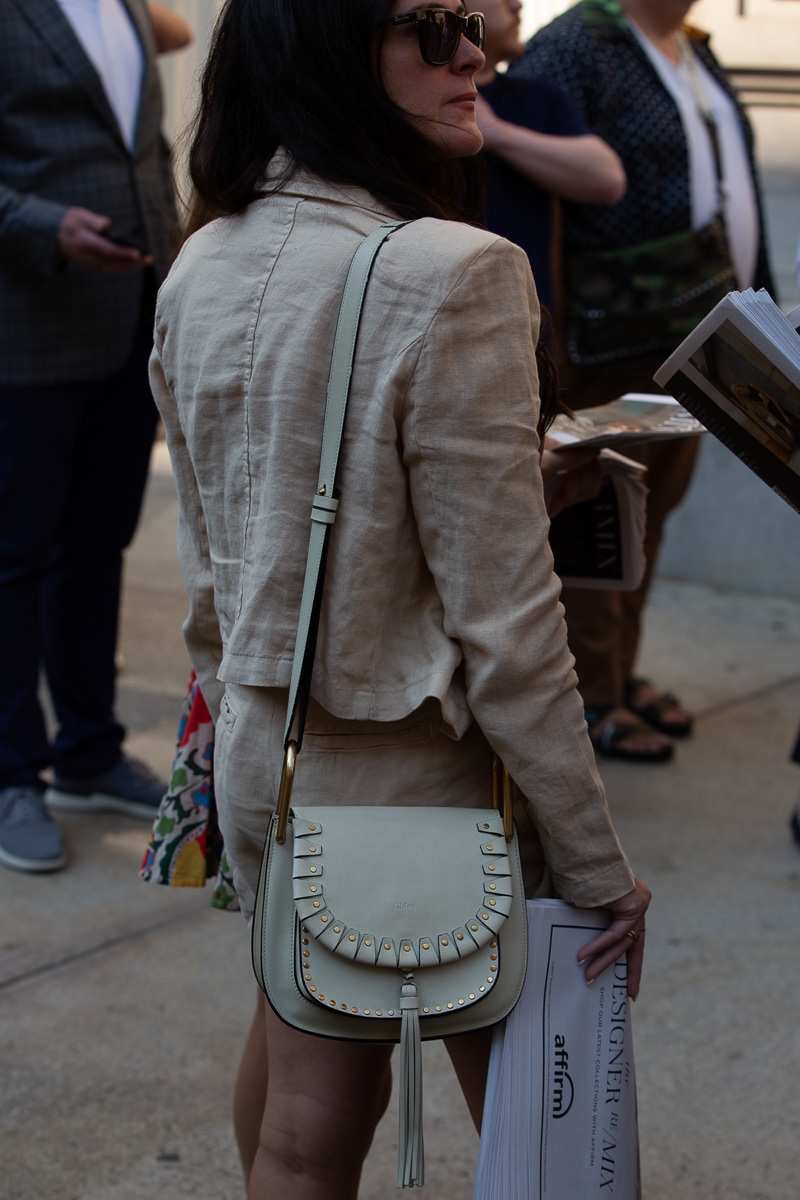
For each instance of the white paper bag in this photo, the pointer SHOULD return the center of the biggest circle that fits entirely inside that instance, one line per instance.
(559, 1120)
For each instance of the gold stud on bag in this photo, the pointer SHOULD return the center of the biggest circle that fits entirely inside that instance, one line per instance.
(383, 923)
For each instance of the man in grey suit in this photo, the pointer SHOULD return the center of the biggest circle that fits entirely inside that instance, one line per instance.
(87, 232)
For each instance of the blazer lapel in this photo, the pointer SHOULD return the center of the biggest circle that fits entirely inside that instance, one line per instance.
(53, 27)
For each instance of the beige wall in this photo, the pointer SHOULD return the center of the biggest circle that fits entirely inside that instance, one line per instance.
(767, 35)
(538, 12)
(180, 71)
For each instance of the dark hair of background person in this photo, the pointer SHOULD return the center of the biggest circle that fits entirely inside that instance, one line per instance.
(305, 75)
(551, 402)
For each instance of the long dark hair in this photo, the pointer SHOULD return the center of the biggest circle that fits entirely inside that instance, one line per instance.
(303, 74)
(551, 398)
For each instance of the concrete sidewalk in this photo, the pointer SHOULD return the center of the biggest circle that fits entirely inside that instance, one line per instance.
(123, 1006)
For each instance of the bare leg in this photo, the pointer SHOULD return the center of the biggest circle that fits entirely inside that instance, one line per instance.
(250, 1091)
(324, 1100)
(469, 1055)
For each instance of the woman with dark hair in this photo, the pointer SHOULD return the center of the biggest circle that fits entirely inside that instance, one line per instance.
(441, 640)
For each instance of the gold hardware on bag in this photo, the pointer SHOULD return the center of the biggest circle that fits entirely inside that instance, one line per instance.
(285, 791)
(501, 796)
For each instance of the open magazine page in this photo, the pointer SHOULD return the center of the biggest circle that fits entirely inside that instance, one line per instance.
(739, 373)
(768, 329)
(634, 417)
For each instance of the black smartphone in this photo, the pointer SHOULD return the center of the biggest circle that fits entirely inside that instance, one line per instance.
(119, 239)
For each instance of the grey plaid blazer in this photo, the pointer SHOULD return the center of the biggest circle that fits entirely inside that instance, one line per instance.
(60, 146)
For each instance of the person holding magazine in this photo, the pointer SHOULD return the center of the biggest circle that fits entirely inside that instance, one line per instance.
(690, 223)
(441, 640)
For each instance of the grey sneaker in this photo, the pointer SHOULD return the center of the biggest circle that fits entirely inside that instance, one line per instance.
(128, 787)
(29, 839)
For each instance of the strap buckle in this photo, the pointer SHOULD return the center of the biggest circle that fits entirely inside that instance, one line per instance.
(501, 795)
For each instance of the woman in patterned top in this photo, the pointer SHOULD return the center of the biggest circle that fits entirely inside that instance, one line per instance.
(631, 66)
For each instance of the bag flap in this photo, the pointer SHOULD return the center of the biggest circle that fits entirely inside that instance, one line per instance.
(401, 887)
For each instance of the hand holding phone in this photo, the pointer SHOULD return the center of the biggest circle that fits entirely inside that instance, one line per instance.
(120, 239)
(89, 240)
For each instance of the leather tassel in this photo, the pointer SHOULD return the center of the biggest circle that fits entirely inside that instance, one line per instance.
(411, 1152)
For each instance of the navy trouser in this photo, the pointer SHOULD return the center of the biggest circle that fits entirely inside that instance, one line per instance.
(73, 467)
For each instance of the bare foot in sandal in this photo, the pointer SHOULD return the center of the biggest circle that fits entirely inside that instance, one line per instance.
(661, 710)
(618, 733)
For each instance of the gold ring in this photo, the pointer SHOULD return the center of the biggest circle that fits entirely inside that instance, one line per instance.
(633, 934)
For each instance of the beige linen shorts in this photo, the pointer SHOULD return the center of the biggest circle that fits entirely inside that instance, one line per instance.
(406, 762)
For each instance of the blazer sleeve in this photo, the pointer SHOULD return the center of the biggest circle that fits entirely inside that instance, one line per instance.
(29, 231)
(201, 628)
(472, 452)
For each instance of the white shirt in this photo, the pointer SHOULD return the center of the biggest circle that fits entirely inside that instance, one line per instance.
(109, 38)
(738, 192)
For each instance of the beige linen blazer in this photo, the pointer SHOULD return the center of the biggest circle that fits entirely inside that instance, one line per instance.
(439, 579)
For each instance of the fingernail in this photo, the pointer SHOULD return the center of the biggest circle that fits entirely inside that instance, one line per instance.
(589, 982)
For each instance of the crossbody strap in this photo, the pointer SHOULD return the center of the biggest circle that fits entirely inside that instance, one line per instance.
(325, 501)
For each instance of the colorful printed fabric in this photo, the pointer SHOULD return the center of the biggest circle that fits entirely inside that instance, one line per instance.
(186, 845)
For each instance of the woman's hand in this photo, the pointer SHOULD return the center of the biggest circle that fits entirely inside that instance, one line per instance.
(580, 475)
(627, 916)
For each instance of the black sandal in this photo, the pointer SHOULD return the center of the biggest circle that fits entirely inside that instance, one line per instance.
(606, 736)
(653, 713)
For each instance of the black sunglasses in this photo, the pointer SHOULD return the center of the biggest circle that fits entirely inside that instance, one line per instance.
(440, 30)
